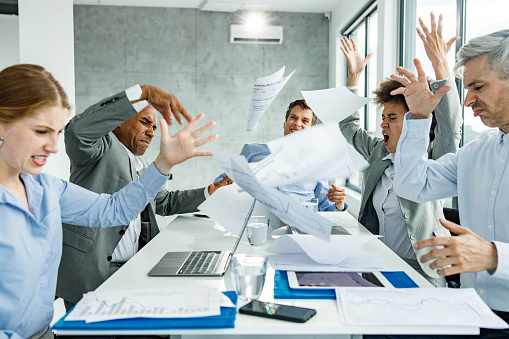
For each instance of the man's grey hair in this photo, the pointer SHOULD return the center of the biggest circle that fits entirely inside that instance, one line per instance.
(496, 45)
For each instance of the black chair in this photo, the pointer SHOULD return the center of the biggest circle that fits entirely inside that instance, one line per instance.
(451, 214)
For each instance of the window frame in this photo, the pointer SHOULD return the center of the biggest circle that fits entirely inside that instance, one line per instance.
(362, 19)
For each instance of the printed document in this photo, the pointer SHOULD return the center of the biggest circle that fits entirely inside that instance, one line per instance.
(229, 208)
(334, 104)
(415, 306)
(285, 208)
(150, 303)
(312, 154)
(332, 252)
(358, 261)
(264, 91)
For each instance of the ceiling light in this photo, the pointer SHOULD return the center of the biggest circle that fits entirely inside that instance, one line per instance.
(255, 21)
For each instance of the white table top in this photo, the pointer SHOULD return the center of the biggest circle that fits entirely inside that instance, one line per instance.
(187, 232)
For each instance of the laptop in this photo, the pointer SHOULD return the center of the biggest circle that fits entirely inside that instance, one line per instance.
(198, 263)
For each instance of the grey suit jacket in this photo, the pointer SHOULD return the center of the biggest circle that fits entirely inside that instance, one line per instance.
(99, 162)
(421, 220)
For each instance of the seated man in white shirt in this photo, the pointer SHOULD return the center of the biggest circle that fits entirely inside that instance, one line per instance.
(298, 117)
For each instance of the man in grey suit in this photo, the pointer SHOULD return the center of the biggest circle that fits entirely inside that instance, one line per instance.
(103, 144)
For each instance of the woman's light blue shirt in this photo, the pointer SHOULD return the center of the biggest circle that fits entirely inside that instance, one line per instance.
(31, 240)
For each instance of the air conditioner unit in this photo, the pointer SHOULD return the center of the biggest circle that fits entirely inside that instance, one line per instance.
(244, 34)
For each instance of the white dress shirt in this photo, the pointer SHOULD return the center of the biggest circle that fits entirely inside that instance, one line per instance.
(478, 174)
(128, 244)
(390, 218)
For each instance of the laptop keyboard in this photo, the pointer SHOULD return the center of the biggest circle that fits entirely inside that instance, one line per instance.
(203, 263)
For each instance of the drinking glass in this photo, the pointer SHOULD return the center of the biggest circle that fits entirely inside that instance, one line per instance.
(257, 229)
(249, 275)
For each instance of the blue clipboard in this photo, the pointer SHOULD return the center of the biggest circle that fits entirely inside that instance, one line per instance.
(282, 290)
(225, 320)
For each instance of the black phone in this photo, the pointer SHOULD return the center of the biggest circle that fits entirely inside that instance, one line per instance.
(278, 311)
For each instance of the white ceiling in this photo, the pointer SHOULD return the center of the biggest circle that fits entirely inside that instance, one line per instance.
(305, 6)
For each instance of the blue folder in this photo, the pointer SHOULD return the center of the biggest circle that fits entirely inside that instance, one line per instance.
(225, 320)
(282, 290)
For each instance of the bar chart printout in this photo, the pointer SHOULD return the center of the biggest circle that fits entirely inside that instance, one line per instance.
(149, 303)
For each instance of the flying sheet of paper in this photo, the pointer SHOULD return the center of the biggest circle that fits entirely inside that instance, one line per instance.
(333, 252)
(285, 208)
(334, 104)
(229, 208)
(264, 91)
(312, 154)
(359, 261)
(150, 303)
(415, 306)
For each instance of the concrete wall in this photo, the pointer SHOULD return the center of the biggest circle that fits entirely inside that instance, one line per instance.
(9, 40)
(187, 53)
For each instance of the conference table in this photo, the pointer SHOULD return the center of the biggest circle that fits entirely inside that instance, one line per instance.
(188, 232)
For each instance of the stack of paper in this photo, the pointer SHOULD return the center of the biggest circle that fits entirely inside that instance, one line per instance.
(149, 303)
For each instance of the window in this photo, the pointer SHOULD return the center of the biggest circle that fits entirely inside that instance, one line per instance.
(492, 15)
(413, 46)
(465, 18)
(470, 14)
(364, 31)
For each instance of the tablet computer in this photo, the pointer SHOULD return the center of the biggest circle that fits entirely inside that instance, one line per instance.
(328, 280)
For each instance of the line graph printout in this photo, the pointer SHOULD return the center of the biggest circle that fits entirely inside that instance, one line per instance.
(149, 303)
(415, 306)
(264, 91)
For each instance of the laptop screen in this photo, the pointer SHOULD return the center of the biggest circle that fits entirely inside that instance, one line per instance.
(244, 226)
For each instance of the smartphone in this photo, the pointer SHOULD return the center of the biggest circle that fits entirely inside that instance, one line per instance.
(278, 311)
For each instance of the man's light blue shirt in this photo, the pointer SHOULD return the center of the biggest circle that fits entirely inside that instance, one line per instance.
(318, 189)
(479, 175)
(31, 240)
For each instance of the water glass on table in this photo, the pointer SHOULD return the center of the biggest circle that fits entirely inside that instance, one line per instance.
(257, 229)
(248, 273)
(311, 204)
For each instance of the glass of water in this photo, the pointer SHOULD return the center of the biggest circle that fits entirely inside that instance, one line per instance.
(311, 204)
(248, 273)
(257, 229)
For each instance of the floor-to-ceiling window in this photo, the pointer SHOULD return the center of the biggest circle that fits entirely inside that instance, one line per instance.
(364, 31)
(465, 18)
